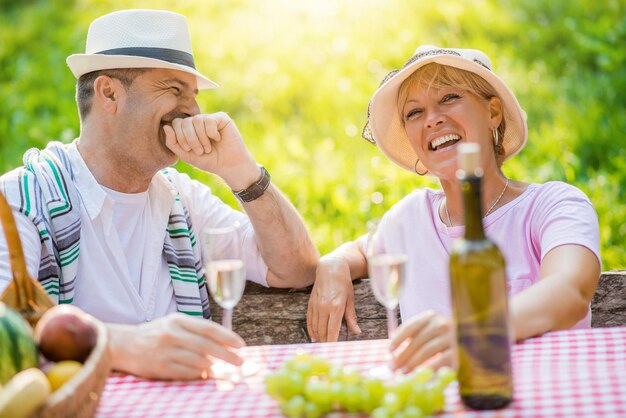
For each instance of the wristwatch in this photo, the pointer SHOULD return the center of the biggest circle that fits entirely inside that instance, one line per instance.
(257, 188)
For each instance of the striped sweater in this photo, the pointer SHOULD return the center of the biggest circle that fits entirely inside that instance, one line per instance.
(44, 191)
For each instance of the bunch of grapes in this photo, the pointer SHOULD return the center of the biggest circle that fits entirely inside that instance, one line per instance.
(309, 386)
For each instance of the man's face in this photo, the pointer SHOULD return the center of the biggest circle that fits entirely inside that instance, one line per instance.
(154, 99)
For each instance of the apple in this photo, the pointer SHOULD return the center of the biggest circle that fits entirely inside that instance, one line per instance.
(64, 333)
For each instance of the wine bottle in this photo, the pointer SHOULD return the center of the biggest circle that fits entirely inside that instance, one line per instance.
(479, 300)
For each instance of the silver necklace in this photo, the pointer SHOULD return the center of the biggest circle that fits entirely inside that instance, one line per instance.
(506, 185)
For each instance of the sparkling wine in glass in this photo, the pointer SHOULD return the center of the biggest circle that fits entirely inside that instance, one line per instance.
(226, 280)
(386, 272)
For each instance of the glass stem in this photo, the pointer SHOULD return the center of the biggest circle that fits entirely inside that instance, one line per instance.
(392, 322)
(227, 319)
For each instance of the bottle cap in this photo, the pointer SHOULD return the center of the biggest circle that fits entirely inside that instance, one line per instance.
(469, 159)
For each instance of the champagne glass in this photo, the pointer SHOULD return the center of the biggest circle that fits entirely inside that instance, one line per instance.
(386, 273)
(226, 280)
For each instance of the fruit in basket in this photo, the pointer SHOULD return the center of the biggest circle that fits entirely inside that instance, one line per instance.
(64, 333)
(24, 394)
(17, 346)
(308, 386)
(61, 372)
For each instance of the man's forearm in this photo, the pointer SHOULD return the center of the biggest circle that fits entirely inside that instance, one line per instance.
(283, 240)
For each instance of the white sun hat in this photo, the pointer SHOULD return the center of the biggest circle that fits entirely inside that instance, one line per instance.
(385, 128)
(138, 38)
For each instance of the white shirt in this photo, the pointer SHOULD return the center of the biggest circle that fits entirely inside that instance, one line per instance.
(123, 276)
(131, 224)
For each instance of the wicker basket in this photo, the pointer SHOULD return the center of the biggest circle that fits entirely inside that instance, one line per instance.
(79, 397)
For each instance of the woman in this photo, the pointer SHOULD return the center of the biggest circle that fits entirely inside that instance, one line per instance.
(548, 232)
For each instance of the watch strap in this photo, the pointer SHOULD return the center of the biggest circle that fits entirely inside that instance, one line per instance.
(256, 189)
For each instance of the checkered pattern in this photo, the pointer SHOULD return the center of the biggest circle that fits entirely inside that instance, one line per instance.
(578, 373)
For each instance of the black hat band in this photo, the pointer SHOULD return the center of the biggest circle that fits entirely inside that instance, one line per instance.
(164, 54)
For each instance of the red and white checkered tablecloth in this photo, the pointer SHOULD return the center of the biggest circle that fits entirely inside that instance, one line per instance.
(578, 373)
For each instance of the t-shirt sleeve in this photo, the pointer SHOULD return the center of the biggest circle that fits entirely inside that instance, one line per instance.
(207, 210)
(373, 241)
(361, 242)
(389, 228)
(565, 215)
(31, 247)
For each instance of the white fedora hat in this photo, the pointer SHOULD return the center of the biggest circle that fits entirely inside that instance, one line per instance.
(385, 128)
(138, 39)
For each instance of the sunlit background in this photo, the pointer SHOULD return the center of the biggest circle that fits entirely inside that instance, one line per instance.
(296, 76)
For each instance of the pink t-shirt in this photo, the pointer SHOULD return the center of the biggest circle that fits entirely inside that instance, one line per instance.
(545, 216)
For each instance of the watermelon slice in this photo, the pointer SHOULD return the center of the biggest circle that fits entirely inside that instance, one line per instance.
(17, 345)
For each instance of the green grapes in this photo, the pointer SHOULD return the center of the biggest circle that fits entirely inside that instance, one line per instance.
(294, 407)
(308, 386)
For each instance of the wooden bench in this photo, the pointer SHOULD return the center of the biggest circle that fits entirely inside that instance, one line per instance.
(608, 306)
(278, 316)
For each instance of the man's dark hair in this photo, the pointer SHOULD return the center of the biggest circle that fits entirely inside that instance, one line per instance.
(84, 85)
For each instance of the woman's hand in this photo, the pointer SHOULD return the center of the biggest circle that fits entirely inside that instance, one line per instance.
(426, 339)
(332, 297)
(174, 347)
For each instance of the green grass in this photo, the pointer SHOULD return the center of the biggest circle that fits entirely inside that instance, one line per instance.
(296, 77)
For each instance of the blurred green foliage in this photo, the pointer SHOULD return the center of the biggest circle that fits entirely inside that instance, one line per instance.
(297, 75)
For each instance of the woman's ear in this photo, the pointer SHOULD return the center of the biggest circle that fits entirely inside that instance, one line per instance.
(107, 92)
(495, 111)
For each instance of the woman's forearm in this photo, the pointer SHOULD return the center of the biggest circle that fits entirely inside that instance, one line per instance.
(546, 306)
(561, 298)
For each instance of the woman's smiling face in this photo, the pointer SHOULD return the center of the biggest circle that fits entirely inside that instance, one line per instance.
(437, 119)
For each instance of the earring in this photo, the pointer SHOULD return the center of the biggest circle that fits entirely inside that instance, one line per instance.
(496, 137)
(417, 161)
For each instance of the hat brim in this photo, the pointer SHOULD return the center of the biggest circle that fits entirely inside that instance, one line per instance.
(388, 130)
(81, 64)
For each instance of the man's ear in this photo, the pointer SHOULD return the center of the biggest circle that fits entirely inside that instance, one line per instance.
(107, 93)
(495, 111)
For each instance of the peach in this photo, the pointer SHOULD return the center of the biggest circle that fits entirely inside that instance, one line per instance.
(64, 333)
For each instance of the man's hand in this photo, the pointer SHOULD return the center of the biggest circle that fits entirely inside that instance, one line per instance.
(175, 347)
(425, 339)
(212, 142)
(332, 297)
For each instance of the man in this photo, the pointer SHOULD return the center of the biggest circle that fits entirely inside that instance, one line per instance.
(106, 228)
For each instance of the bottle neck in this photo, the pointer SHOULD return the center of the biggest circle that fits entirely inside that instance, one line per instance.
(472, 203)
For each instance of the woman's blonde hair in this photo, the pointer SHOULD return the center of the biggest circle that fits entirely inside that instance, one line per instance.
(439, 76)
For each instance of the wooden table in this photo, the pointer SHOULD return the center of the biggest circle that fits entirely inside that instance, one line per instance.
(561, 374)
